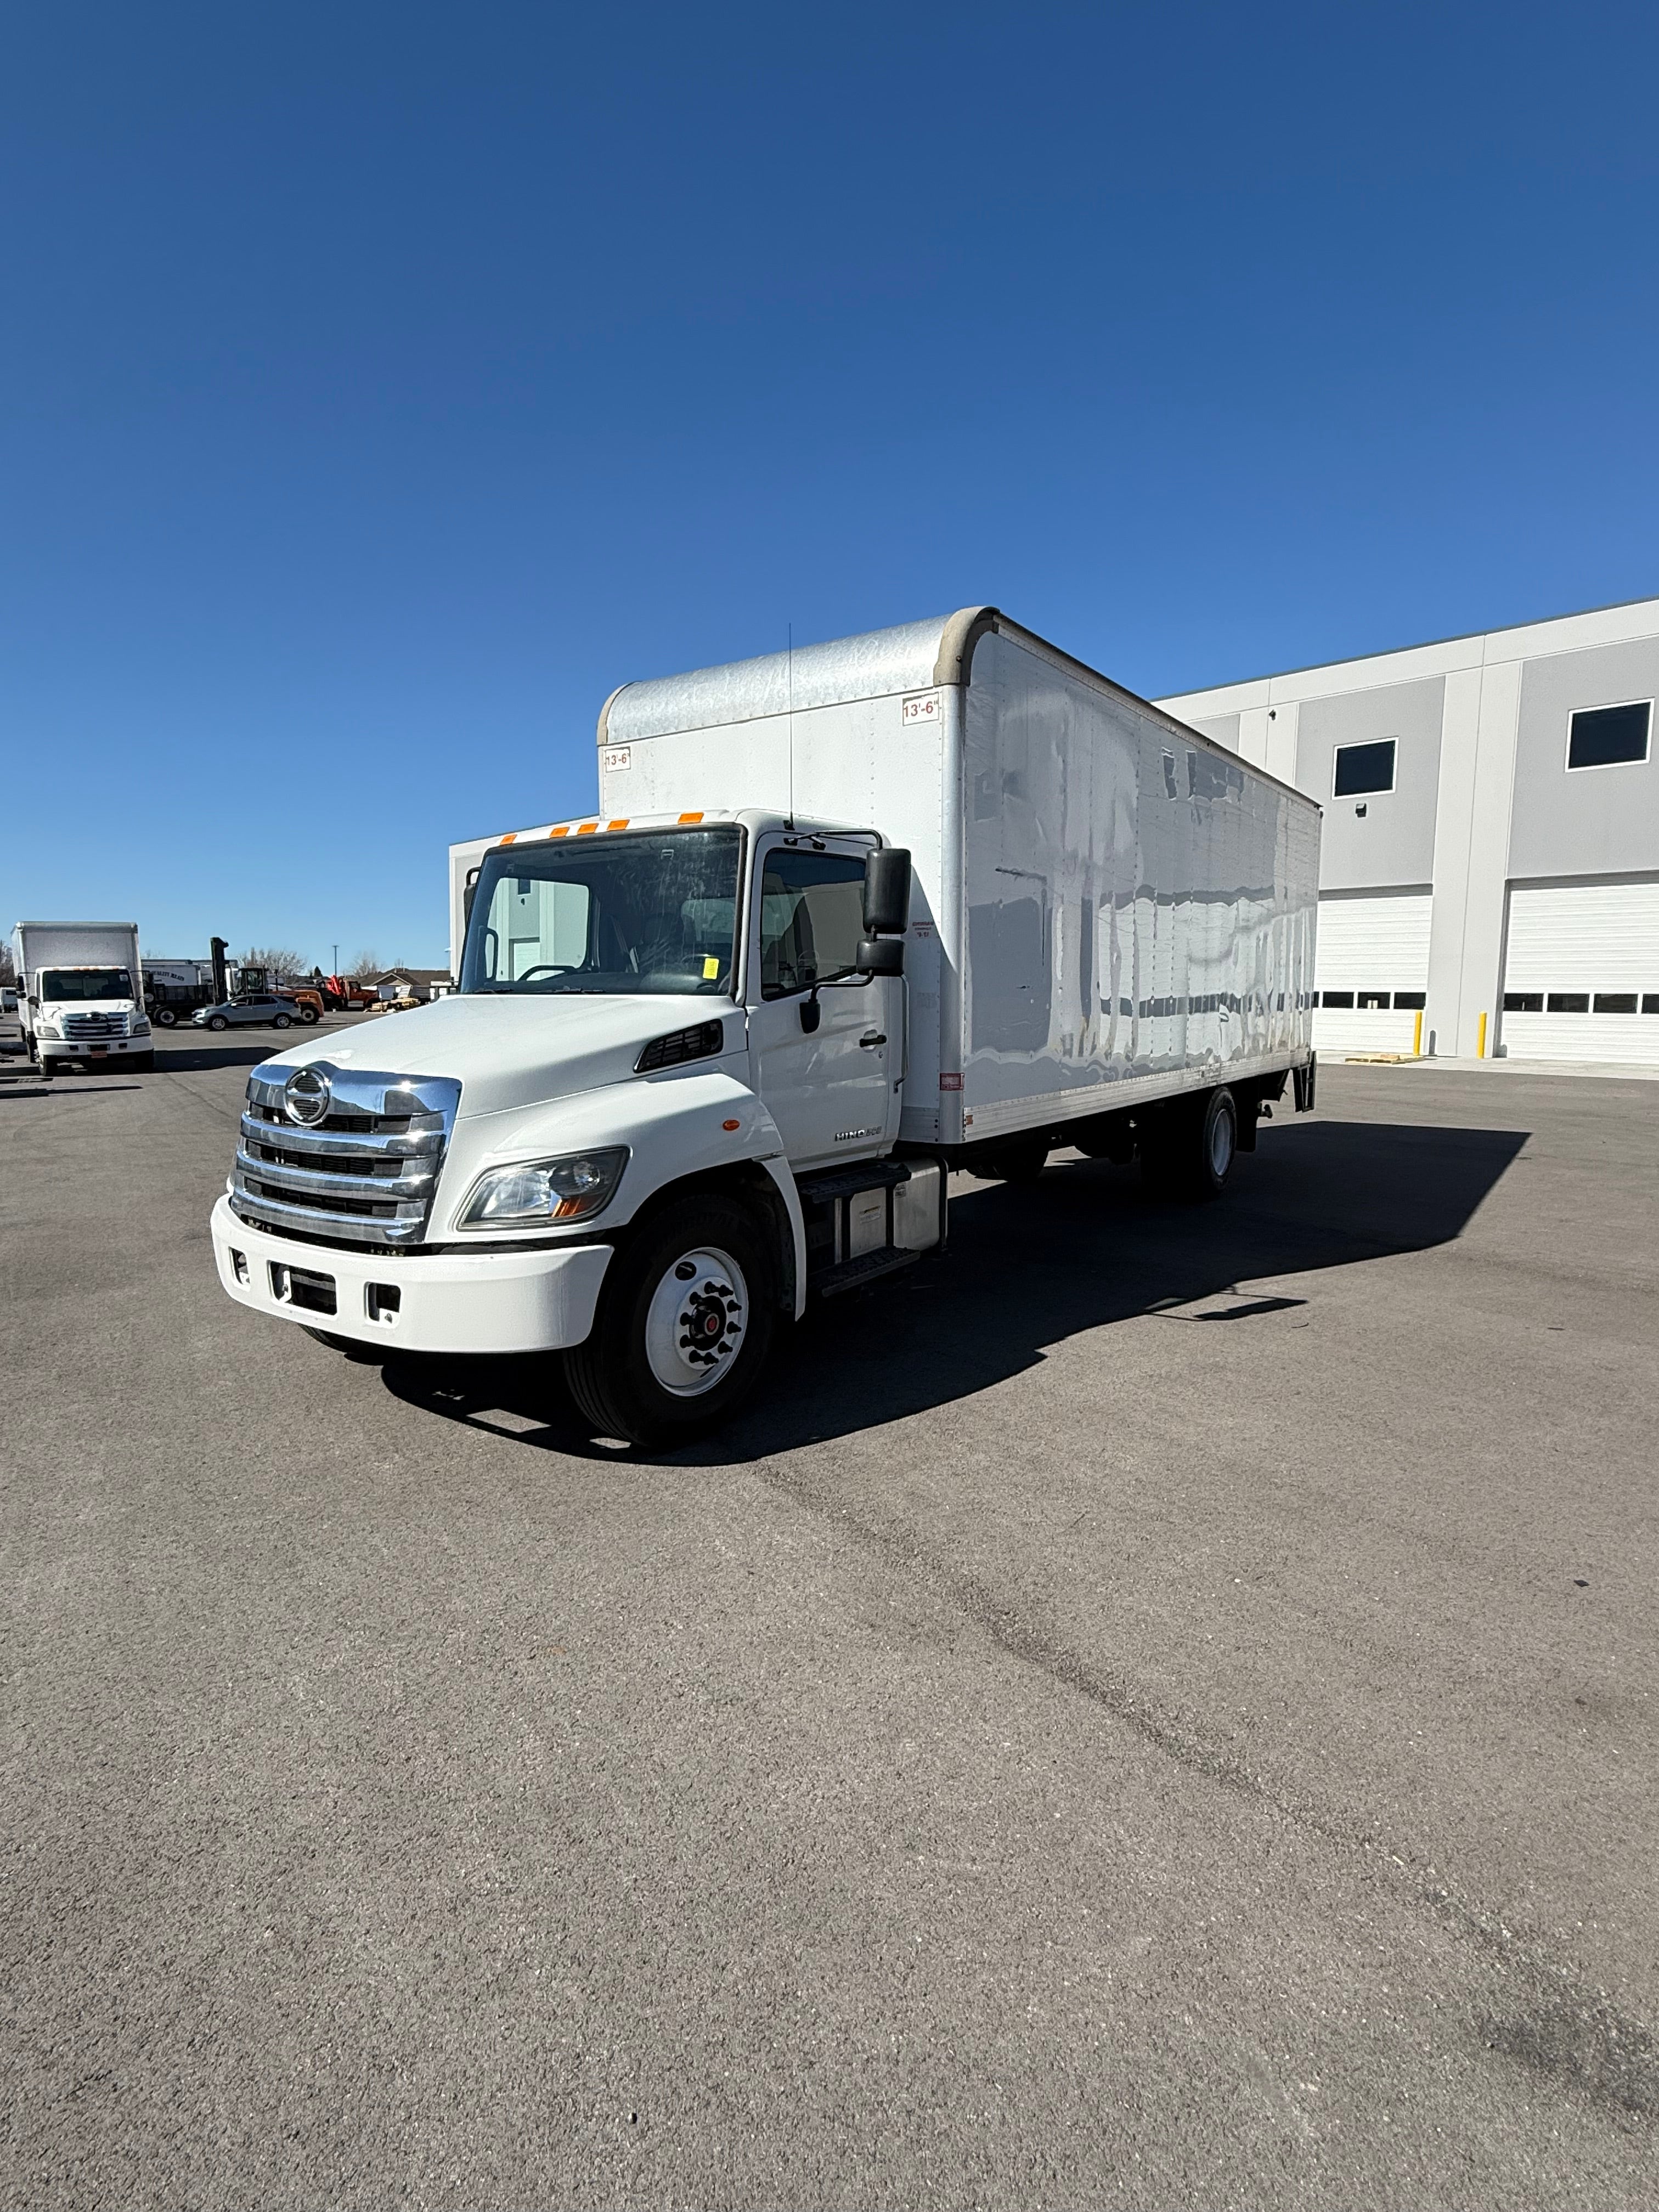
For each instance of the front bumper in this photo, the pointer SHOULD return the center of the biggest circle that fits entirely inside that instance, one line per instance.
(78, 1048)
(498, 1302)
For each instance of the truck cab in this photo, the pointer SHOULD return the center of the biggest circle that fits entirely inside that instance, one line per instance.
(662, 1104)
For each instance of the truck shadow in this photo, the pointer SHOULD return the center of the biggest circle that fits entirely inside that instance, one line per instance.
(1028, 1269)
(245, 1051)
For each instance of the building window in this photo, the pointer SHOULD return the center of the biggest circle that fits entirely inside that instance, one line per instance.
(1606, 737)
(1523, 1002)
(1375, 1001)
(1410, 1002)
(1569, 1002)
(1615, 1002)
(1650, 1002)
(1360, 769)
(1339, 998)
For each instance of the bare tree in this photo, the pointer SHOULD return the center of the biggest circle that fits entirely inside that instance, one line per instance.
(278, 961)
(362, 964)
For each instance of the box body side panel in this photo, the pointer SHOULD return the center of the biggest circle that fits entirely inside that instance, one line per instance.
(1139, 913)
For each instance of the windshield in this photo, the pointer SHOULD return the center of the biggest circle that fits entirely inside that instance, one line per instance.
(60, 983)
(647, 912)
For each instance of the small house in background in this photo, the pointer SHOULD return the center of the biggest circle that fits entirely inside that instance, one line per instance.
(420, 983)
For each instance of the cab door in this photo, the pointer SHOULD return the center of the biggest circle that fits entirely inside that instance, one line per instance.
(833, 1090)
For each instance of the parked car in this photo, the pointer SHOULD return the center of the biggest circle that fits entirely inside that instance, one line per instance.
(254, 1010)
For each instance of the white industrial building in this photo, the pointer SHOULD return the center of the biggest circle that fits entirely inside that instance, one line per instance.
(1490, 847)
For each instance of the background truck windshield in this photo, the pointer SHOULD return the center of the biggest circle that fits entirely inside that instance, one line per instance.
(645, 912)
(57, 984)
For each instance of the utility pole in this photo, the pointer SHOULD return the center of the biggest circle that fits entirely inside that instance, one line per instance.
(335, 969)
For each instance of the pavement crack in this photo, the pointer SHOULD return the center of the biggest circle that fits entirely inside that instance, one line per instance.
(1558, 2029)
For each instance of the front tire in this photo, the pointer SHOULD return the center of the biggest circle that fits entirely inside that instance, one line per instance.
(282, 1022)
(365, 1355)
(218, 1023)
(683, 1326)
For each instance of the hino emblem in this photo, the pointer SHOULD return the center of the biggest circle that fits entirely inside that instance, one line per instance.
(306, 1095)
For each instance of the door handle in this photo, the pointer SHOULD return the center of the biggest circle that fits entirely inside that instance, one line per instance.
(871, 1038)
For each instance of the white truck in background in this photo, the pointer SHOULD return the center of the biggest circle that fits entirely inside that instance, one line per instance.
(79, 995)
(846, 920)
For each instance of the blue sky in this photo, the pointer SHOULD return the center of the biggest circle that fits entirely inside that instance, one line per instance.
(379, 386)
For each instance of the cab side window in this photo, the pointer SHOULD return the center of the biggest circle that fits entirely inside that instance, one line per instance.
(811, 919)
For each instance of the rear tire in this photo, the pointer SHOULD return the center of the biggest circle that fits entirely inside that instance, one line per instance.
(1187, 1150)
(1019, 1164)
(309, 1015)
(644, 1373)
(166, 1017)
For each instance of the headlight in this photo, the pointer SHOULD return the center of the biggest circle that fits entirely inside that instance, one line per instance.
(141, 1026)
(47, 1029)
(537, 1191)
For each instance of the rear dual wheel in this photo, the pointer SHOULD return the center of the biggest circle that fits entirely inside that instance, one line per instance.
(1187, 1149)
(683, 1326)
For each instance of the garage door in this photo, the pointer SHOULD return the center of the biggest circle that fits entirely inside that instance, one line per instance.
(1581, 972)
(1370, 970)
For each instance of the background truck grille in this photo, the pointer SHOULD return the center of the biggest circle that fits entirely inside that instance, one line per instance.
(95, 1025)
(363, 1174)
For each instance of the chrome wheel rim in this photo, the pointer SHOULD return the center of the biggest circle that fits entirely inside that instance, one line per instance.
(1221, 1143)
(696, 1322)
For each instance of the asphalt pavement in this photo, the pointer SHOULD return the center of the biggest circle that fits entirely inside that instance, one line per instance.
(1155, 1710)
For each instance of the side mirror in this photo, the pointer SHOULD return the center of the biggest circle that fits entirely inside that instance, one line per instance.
(886, 896)
(881, 956)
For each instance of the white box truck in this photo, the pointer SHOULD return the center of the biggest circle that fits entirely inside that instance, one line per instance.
(79, 995)
(845, 920)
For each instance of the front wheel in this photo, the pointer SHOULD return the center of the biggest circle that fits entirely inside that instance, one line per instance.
(218, 1023)
(282, 1022)
(683, 1326)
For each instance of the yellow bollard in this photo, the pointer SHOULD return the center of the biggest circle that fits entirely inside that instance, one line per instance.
(1481, 1041)
(1417, 1036)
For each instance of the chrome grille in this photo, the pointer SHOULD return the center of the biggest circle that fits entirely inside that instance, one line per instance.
(95, 1025)
(364, 1173)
